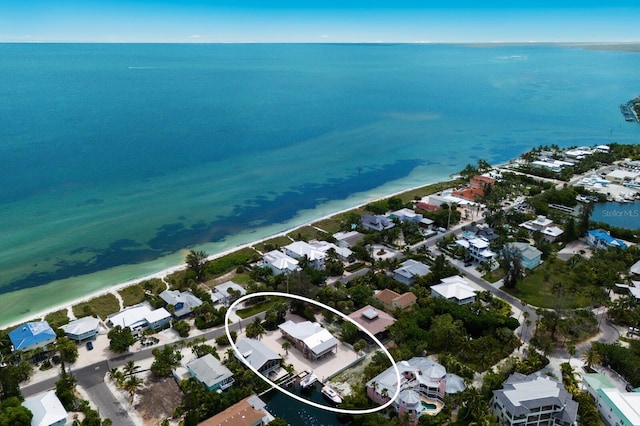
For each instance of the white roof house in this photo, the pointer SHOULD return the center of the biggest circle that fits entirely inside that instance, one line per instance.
(621, 408)
(210, 372)
(183, 302)
(409, 270)
(545, 226)
(220, 293)
(635, 268)
(140, 317)
(280, 263)
(406, 215)
(456, 289)
(258, 355)
(348, 239)
(47, 409)
(82, 328)
(301, 249)
(309, 337)
(324, 246)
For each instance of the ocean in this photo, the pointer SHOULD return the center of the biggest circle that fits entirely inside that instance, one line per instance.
(118, 158)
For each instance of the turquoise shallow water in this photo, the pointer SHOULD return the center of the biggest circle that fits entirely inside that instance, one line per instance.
(116, 158)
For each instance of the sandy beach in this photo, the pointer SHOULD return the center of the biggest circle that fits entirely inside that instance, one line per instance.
(168, 271)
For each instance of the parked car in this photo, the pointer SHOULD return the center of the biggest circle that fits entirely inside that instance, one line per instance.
(89, 346)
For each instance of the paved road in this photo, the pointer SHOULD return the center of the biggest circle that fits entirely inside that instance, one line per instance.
(91, 377)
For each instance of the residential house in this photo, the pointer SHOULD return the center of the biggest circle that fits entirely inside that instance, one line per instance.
(209, 371)
(620, 176)
(533, 400)
(617, 407)
(348, 239)
(594, 381)
(376, 222)
(227, 292)
(409, 270)
(250, 411)
(635, 268)
(602, 239)
(543, 225)
(47, 409)
(482, 182)
(406, 215)
(634, 290)
(82, 329)
(420, 379)
(303, 250)
(309, 338)
(183, 302)
(529, 256)
(423, 205)
(373, 320)
(280, 263)
(32, 335)
(468, 193)
(456, 289)
(140, 318)
(259, 356)
(342, 253)
(392, 300)
(477, 249)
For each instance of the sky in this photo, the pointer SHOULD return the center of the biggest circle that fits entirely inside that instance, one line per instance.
(313, 21)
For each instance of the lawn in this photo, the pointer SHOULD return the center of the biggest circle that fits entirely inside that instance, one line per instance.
(307, 233)
(102, 306)
(280, 241)
(57, 318)
(132, 295)
(255, 309)
(494, 276)
(537, 288)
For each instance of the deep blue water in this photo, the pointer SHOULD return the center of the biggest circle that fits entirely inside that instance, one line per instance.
(623, 215)
(117, 157)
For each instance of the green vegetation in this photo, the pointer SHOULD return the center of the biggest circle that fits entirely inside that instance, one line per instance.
(120, 339)
(307, 233)
(231, 261)
(132, 295)
(165, 360)
(256, 309)
(57, 319)
(625, 361)
(493, 276)
(273, 243)
(12, 413)
(102, 306)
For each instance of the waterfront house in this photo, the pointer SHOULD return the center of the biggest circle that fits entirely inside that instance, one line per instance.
(302, 250)
(259, 356)
(602, 239)
(376, 222)
(47, 409)
(529, 256)
(250, 411)
(423, 383)
(210, 372)
(456, 289)
(183, 302)
(280, 263)
(543, 225)
(82, 329)
(409, 270)
(406, 215)
(533, 400)
(310, 338)
(140, 318)
(620, 176)
(392, 300)
(342, 253)
(373, 320)
(32, 335)
(348, 239)
(227, 293)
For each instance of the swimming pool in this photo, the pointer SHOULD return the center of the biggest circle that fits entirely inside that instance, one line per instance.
(429, 406)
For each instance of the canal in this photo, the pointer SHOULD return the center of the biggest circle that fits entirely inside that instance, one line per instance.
(623, 215)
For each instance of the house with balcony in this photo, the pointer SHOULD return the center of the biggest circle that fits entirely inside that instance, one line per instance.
(310, 338)
(533, 400)
(376, 222)
(280, 263)
(530, 257)
(302, 250)
(183, 302)
(82, 329)
(210, 372)
(456, 289)
(32, 335)
(227, 293)
(478, 249)
(140, 318)
(545, 226)
(409, 270)
(602, 239)
(259, 356)
(406, 215)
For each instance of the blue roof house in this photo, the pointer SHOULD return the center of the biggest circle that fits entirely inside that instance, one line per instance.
(601, 239)
(32, 335)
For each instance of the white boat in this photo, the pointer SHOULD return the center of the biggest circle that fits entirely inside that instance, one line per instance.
(332, 395)
(308, 380)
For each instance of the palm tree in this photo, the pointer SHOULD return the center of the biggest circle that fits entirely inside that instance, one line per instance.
(131, 385)
(130, 368)
(117, 376)
(591, 357)
(286, 345)
(571, 348)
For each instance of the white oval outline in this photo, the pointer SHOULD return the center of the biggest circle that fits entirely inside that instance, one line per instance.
(292, 395)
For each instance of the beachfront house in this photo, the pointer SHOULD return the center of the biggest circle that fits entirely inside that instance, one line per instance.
(310, 338)
(341, 253)
(424, 384)
(259, 356)
(373, 320)
(210, 372)
(82, 329)
(409, 270)
(302, 250)
(227, 292)
(250, 411)
(602, 239)
(406, 215)
(533, 400)
(348, 239)
(280, 263)
(376, 222)
(530, 256)
(47, 409)
(392, 300)
(545, 226)
(456, 289)
(32, 335)
(183, 302)
(140, 318)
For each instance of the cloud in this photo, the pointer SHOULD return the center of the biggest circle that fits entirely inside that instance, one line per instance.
(324, 36)
(195, 36)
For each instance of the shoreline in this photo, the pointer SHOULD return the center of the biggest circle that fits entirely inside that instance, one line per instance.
(168, 271)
